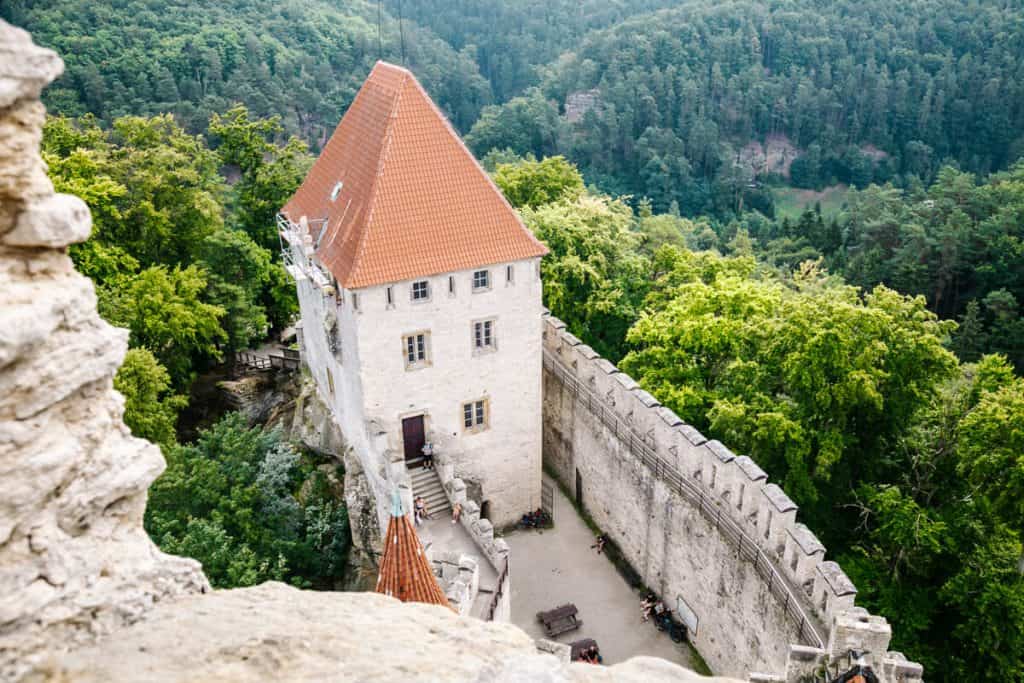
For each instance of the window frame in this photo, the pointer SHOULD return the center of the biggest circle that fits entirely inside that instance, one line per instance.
(487, 278)
(423, 357)
(487, 326)
(426, 289)
(477, 412)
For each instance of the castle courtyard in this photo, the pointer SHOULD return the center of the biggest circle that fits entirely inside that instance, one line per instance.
(556, 566)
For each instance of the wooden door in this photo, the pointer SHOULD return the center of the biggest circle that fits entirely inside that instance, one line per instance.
(413, 437)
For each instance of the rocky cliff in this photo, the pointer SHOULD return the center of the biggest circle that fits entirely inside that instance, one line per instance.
(75, 562)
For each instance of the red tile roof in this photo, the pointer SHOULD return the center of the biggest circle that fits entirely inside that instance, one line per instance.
(411, 200)
(405, 572)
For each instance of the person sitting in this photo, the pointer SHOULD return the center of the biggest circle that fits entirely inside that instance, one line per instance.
(594, 655)
(647, 604)
(420, 506)
(456, 513)
(600, 541)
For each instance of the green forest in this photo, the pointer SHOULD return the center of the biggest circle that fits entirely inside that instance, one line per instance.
(867, 352)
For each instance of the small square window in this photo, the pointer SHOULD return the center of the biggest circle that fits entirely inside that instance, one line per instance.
(416, 348)
(483, 336)
(420, 290)
(475, 415)
(481, 279)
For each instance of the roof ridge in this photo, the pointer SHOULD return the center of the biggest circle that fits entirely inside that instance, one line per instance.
(476, 164)
(385, 149)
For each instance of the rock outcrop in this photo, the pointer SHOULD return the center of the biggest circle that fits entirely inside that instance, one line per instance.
(75, 562)
(273, 632)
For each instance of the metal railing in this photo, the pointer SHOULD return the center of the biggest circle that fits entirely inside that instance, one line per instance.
(778, 585)
(499, 590)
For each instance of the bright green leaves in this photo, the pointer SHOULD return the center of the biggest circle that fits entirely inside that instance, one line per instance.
(594, 280)
(803, 377)
(151, 407)
(165, 311)
(251, 509)
(533, 183)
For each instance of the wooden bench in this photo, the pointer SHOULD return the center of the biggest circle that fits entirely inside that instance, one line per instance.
(559, 620)
(581, 646)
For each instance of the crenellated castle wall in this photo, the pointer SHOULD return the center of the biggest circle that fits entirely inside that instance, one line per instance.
(702, 526)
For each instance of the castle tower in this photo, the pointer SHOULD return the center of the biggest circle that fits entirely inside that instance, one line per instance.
(420, 296)
(405, 572)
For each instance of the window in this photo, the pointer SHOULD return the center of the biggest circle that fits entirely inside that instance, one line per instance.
(509, 274)
(420, 290)
(483, 336)
(355, 301)
(474, 415)
(451, 285)
(481, 279)
(416, 347)
(336, 190)
(390, 296)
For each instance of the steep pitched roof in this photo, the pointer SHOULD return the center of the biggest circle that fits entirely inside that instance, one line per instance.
(404, 569)
(396, 194)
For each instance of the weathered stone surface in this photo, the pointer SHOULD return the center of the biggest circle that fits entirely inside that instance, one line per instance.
(275, 632)
(75, 562)
(57, 221)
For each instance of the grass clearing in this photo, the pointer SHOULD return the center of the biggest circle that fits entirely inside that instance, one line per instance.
(791, 201)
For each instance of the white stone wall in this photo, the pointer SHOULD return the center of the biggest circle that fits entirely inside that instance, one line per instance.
(504, 459)
(698, 522)
(328, 336)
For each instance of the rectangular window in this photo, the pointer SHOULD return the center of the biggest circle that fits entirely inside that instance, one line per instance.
(481, 280)
(420, 290)
(451, 285)
(416, 348)
(509, 274)
(355, 301)
(483, 336)
(390, 296)
(474, 415)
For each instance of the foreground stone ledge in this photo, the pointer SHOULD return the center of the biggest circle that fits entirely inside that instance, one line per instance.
(276, 632)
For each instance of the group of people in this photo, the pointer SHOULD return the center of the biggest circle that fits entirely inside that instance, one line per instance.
(421, 513)
(652, 604)
(591, 655)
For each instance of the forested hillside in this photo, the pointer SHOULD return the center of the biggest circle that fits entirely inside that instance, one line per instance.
(511, 41)
(865, 91)
(302, 60)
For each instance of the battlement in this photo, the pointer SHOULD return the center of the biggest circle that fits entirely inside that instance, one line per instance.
(730, 491)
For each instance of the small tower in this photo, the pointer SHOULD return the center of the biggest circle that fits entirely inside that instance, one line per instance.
(420, 295)
(404, 569)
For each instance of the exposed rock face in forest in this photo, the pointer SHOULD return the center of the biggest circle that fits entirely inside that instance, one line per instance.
(75, 562)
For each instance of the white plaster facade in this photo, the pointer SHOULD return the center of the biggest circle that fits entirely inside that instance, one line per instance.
(353, 343)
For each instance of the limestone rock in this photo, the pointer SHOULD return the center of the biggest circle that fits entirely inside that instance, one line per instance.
(75, 562)
(57, 221)
(275, 632)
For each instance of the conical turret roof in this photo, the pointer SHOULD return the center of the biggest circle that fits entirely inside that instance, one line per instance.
(405, 572)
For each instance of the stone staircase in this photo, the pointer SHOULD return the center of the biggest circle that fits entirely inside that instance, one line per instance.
(426, 483)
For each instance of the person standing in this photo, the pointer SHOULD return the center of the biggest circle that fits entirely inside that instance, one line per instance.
(428, 455)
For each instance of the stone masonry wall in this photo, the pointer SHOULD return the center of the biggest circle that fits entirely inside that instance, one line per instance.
(701, 525)
(75, 562)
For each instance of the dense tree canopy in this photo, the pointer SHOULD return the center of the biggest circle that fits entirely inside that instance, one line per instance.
(251, 508)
